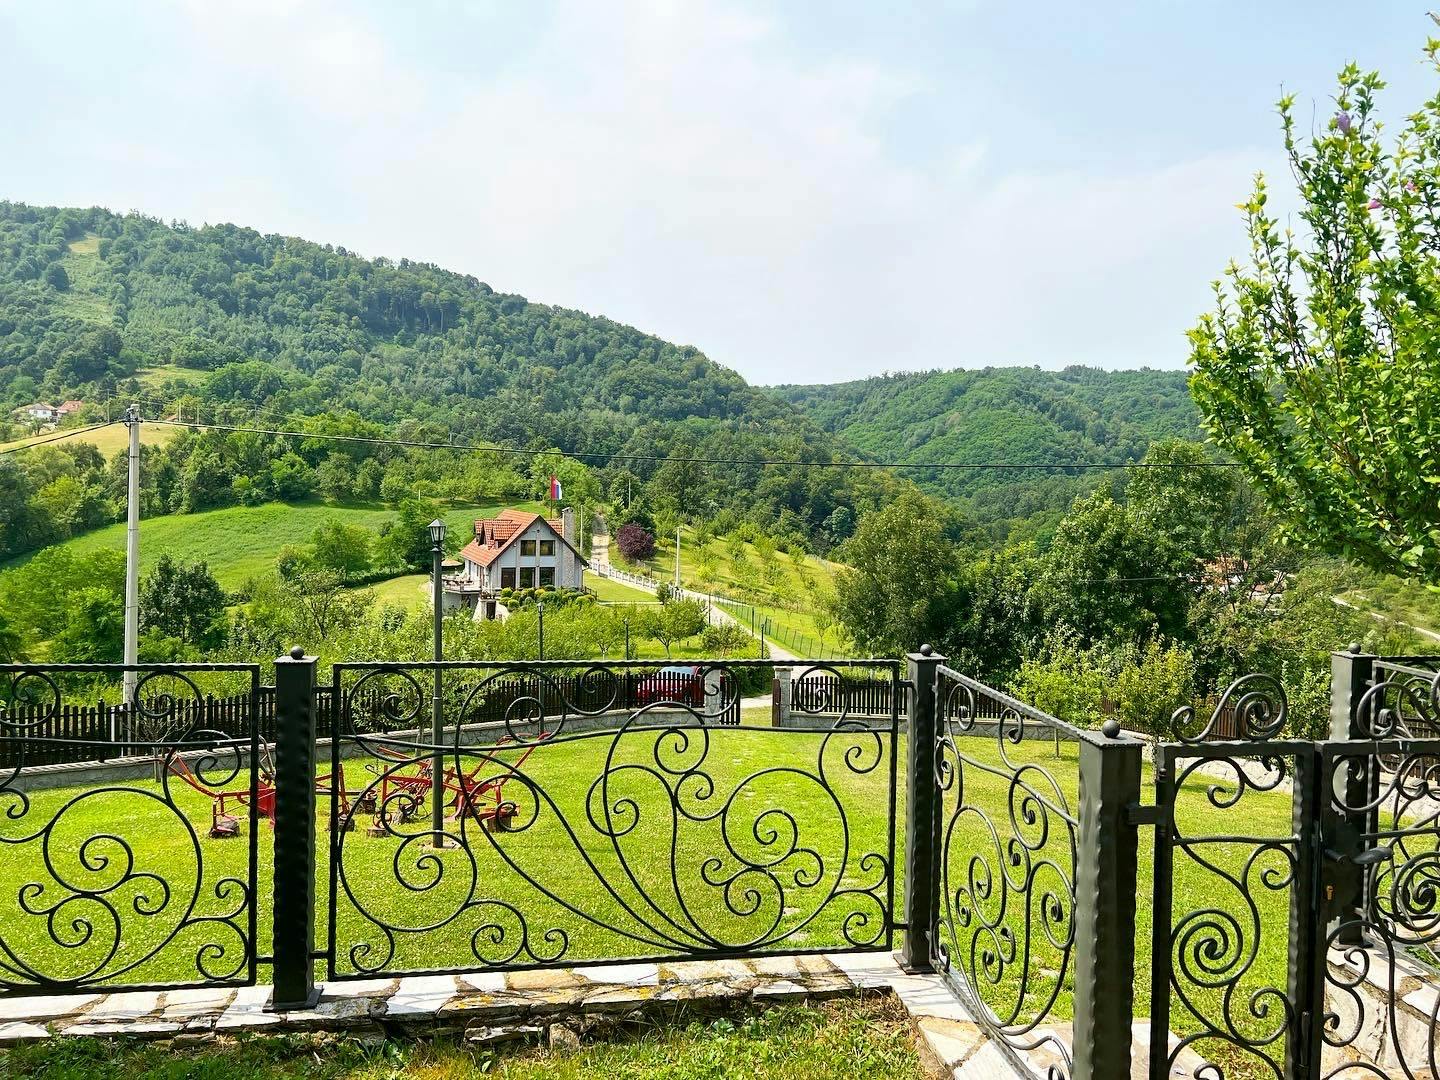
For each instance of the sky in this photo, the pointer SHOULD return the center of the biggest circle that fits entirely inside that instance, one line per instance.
(808, 192)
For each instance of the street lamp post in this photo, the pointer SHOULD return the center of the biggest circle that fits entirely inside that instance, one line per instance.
(437, 764)
(540, 607)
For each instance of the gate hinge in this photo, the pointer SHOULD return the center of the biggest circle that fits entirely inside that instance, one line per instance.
(1143, 814)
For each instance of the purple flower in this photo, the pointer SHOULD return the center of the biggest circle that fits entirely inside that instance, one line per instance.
(1373, 204)
(1343, 122)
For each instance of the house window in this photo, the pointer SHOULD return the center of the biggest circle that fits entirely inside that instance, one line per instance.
(527, 547)
(527, 577)
(507, 577)
(547, 547)
(547, 576)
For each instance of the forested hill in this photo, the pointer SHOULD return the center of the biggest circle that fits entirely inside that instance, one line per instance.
(1017, 415)
(249, 330)
(264, 330)
(88, 297)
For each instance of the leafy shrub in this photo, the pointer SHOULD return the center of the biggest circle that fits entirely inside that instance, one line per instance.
(635, 543)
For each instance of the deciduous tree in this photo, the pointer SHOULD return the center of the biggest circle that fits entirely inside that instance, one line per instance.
(1318, 368)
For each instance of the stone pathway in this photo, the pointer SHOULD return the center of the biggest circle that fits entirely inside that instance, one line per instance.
(558, 1006)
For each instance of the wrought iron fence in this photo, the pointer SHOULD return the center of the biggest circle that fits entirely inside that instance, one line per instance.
(115, 885)
(498, 816)
(606, 813)
(1008, 860)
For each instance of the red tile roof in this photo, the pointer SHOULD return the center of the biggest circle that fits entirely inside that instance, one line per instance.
(495, 535)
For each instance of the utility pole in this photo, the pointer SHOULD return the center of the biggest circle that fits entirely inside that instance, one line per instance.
(132, 555)
(437, 711)
(677, 558)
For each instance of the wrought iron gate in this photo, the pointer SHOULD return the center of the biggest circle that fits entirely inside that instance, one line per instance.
(1346, 887)
(510, 815)
(1293, 884)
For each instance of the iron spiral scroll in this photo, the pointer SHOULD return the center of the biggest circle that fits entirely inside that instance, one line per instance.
(1389, 788)
(1209, 969)
(590, 829)
(115, 887)
(1007, 868)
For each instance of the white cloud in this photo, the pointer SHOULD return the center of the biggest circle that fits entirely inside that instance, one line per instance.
(676, 165)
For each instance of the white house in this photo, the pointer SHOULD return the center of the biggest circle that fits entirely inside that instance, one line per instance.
(516, 550)
(39, 411)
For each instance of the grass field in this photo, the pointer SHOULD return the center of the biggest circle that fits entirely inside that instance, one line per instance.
(239, 542)
(608, 888)
(108, 440)
(851, 1037)
(617, 592)
(406, 591)
(1406, 602)
(780, 590)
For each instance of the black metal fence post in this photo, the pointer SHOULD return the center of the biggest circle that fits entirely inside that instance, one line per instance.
(922, 816)
(294, 913)
(1106, 865)
(1351, 674)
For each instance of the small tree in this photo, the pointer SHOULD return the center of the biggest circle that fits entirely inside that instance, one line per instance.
(635, 543)
(183, 601)
(342, 547)
(1317, 369)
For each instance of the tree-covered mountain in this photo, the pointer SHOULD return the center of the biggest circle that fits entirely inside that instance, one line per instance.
(88, 297)
(1006, 415)
(264, 330)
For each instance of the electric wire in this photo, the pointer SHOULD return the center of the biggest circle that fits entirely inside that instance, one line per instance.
(624, 455)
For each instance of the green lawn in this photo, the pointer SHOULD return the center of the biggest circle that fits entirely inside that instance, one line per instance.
(240, 542)
(617, 592)
(407, 591)
(1406, 602)
(860, 1037)
(780, 590)
(108, 440)
(603, 888)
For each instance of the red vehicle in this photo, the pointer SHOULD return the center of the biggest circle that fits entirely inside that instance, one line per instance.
(683, 683)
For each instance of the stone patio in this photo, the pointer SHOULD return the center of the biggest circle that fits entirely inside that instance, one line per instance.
(559, 1006)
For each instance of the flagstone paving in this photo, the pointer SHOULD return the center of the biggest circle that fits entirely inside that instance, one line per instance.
(559, 1006)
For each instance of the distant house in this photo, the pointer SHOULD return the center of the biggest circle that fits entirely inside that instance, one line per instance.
(68, 407)
(515, 550)
(39, 411)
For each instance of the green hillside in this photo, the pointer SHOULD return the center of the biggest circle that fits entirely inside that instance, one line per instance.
(240, 542)
(1010, 415)
(246, 329)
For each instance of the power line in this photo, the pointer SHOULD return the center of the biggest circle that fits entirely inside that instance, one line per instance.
(57, 436)
(622, 455)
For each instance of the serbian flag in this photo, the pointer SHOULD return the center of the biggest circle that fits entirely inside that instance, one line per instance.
(556, 492)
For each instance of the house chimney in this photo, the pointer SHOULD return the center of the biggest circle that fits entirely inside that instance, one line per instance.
(567, 524)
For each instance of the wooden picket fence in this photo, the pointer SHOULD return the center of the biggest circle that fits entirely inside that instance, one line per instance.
(33, 736)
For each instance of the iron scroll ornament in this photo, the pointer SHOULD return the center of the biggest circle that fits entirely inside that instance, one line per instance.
(1007, 934)
(1388, 788)
(676, 858)
(111, 912)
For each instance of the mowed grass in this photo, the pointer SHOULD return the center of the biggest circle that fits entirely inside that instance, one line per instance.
(108, 440)
(617, 592)
(852, 1037)
(586, 870)
(407, 591)
(240, 542)
(782, 590)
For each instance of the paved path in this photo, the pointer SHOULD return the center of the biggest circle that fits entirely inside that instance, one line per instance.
(1422, 631)
(718, 616)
